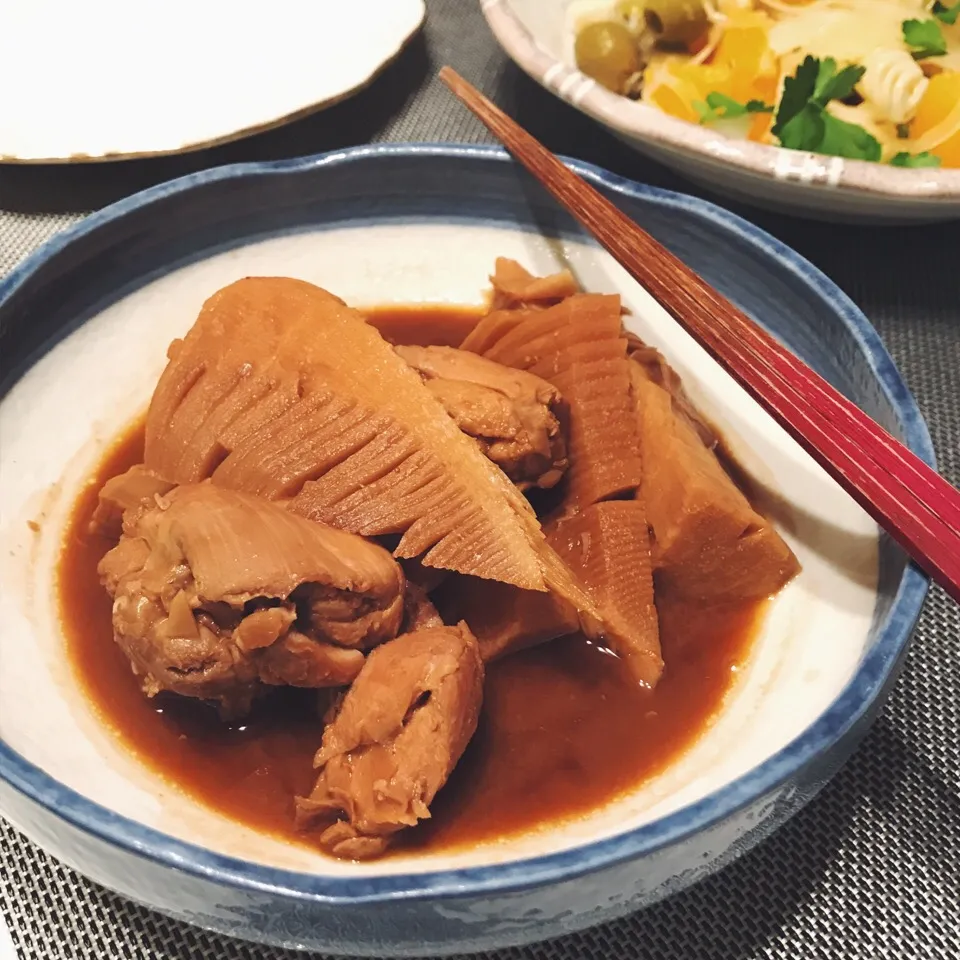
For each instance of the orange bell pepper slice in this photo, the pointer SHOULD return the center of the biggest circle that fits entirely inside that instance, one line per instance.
(940, 104)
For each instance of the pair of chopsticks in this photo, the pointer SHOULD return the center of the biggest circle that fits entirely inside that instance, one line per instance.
(919, 509)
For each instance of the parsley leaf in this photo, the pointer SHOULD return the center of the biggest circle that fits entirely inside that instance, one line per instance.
(946, 14)
(804, 131)
(915, 160)
(835, 86)
(926, 37)
(842, 139)
(820, 132)
(802, 123)
(797, 91)
(721, 107)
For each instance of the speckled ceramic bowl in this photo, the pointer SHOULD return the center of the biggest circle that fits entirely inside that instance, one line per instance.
(84, 326)
(538, 35)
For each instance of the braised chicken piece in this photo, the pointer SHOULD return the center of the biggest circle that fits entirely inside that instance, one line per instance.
(398, 733)
(510, 413)
(709, 544)
(217, 593)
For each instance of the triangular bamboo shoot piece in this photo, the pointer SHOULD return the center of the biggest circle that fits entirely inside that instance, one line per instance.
(282, 390)
(579, 346)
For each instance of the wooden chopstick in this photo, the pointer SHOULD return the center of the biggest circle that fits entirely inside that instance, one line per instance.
(919, 509)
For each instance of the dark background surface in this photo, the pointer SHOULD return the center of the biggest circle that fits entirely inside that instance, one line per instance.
(871, 869)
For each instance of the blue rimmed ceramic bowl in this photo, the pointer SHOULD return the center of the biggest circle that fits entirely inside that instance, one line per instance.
(84, 326)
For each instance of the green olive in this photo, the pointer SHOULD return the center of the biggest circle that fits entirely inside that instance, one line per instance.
(631, 12)
(676, 22)
(607, 52)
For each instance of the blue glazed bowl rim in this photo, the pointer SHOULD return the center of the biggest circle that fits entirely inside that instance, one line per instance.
(846, 710)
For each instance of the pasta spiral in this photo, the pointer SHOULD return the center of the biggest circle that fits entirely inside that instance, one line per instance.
(893, 84)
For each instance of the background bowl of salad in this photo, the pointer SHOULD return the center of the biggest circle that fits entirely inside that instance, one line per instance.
(836, 109)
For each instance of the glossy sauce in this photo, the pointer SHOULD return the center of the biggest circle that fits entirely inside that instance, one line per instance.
(563, 730)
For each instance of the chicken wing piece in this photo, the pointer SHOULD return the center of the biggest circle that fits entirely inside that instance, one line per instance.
(399, 732)
(512, 414)
(216, 593)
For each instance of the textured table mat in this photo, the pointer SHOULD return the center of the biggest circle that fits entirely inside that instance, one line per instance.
(871, 869)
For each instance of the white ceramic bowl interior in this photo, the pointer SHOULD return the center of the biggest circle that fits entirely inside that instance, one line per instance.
(57, 421)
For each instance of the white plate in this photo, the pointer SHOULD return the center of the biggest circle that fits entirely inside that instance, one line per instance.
(88, 80)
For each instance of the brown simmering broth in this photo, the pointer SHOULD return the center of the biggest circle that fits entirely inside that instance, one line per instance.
(563, 729)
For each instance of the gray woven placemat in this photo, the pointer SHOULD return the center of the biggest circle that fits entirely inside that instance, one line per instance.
(871, 869)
